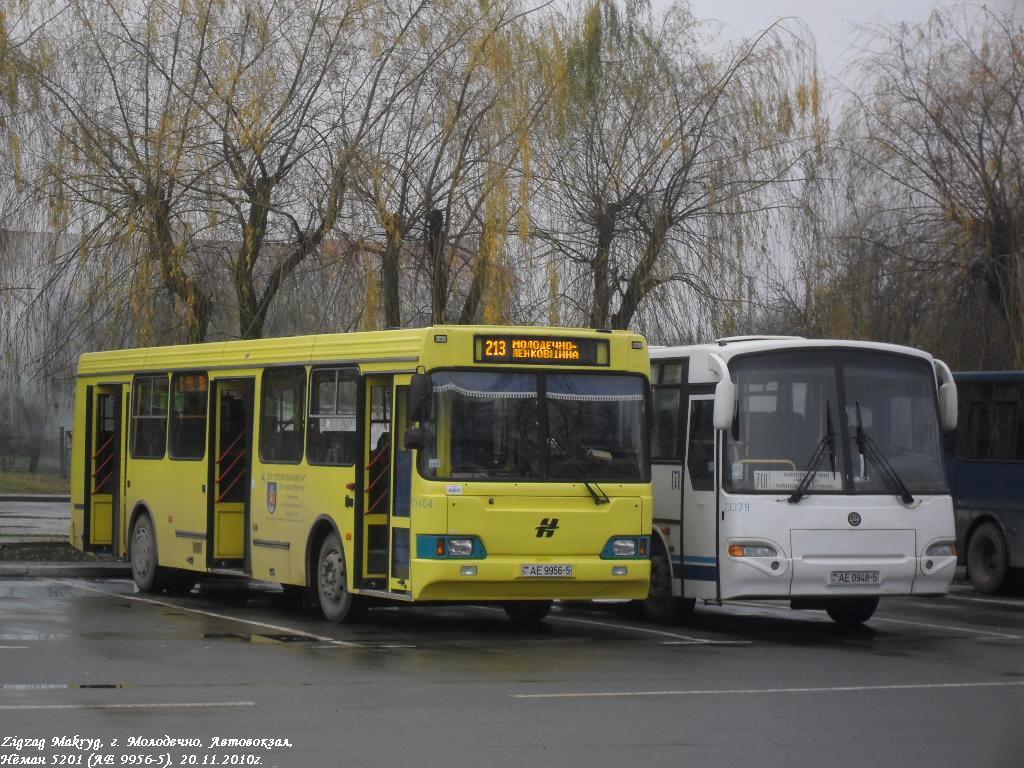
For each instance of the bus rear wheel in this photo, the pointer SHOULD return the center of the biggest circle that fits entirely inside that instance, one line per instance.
(148, 576)
(336, 602)
(986, 559)
(528, 613)
(852, 611)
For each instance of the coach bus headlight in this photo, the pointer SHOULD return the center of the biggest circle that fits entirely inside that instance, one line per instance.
(752, 550)
(942, 549)
(441, 547)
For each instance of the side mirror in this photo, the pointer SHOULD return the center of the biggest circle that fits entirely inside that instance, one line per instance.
(947, 406)
(415, 438)
(419, 397)
(947, 397)
(725, 404)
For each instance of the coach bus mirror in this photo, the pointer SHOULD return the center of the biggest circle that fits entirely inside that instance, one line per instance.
(725, 404)
(419, 397)
(947, 406)
(414, 438)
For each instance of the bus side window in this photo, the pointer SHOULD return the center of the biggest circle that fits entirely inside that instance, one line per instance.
(282, 412)
(333, 395)
(149, 417)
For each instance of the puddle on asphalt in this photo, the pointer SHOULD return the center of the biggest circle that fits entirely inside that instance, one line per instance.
(55, 686)
(260, 638)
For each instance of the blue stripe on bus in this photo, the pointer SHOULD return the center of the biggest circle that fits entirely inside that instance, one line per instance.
(700, 572)
(706, 560)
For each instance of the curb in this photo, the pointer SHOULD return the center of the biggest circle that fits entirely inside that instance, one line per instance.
(40, 497)
(111, 570)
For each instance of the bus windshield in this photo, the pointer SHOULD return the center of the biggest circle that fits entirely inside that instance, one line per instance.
(790, 423)
(572, 427)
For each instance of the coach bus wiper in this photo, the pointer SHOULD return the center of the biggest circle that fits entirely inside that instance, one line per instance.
(600, 497)
(825, 445)
(870, 449)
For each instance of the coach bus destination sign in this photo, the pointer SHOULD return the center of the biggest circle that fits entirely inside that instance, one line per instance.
(546, 350)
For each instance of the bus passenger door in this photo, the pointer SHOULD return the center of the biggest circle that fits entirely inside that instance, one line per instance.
(230, 471)
(103, 468)
(375, 482)
(400, 505)
(700, 508)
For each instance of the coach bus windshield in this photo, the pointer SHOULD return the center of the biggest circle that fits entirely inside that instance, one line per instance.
(816, 414)
(571, 427)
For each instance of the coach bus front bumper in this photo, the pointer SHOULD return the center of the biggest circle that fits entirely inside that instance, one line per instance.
(502, 578)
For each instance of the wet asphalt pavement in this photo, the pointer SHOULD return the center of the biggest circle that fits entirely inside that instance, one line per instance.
(925, 683)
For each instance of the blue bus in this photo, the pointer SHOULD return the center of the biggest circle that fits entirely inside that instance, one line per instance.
(985, 465)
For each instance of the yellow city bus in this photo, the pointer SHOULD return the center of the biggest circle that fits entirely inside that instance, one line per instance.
(456, 463)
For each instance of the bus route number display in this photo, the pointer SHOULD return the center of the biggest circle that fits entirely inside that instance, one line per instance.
(541, 350)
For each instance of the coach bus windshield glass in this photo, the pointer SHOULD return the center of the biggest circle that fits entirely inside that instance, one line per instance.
(789, 420)
(495, 426)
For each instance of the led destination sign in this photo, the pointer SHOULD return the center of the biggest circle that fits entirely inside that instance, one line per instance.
(540, 350)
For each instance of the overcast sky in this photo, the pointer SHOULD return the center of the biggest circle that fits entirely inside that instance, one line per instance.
(831, 21)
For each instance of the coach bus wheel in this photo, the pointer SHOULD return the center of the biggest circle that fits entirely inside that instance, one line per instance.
(336, 602)
(527, 613)
(147, 574)
(851, 611)
(986, 559)
(660, 606)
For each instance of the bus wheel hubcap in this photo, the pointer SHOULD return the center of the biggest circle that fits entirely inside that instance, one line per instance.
(331, 577)
(140, 550)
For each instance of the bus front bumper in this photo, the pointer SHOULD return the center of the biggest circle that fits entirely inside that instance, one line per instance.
(501, 578)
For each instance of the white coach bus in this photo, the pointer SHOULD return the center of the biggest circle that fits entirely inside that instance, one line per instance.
(802, 470)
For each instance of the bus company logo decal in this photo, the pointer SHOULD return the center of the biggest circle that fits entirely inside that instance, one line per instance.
(854, 519)
(547, 527)
(271, 497)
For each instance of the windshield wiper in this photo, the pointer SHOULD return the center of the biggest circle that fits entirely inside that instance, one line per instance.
(870, 449)
(600, 497)
(825, 445)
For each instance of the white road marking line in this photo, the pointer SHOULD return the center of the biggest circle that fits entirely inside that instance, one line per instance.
(718, 692)
(988, 632)
(952, 628)
(160, 705)
(628, 628)
(1011, 603)
(11, 647)
(226, 617)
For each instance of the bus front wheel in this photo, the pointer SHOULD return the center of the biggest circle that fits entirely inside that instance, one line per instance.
(852, 611)
(661, 606)
(986, 559)
(336, 602)
(528, 613)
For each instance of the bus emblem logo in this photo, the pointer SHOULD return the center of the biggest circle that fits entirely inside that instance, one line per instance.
(271, 497)
(547, 528)
(854, 519)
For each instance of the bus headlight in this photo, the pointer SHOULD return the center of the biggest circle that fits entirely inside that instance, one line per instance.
(624, 547)
(460, 547)
(942, 549)
(752, 550)
(632, 547)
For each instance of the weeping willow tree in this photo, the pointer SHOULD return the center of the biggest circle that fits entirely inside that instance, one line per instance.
(659, 161)
(435, 175)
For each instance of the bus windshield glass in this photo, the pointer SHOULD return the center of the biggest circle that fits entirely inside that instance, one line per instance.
(572, 427)
(791, 425)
